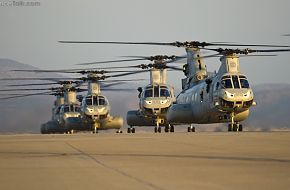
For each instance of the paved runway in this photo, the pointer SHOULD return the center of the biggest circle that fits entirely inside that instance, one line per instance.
(249, 160)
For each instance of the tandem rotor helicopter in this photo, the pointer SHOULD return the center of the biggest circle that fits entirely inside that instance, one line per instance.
(221, 97)
(156, 97)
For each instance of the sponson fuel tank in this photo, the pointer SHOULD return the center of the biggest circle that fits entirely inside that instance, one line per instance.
(180, 113)
(134, 118)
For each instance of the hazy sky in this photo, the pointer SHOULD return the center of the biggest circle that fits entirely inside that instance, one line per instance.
(30, 34)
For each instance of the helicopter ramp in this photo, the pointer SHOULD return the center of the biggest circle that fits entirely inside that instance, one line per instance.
(249, 160)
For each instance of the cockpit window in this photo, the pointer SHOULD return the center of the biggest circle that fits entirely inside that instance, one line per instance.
(89, 101)
(71, 108)
(102, 101)
(95, 100)
(66, 109)
(236, 81)
(244, 83)
(148, 93)
(164, 92)
(157, 91)
(226, 83)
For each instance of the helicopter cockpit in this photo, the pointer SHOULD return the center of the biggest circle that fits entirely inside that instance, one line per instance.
(156, 91)
(233, 81)
(96, 100)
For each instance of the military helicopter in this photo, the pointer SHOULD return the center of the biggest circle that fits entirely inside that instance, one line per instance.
(222, 97)
(156, 97)
(95, 108)
(66, 110)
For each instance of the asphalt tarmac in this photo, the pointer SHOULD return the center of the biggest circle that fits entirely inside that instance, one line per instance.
(205, 160)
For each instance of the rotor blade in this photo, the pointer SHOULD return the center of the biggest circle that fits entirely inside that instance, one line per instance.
(128, 80)
(176, 44)
(245, 51)
(129, 73)
(29, 89)
(25, 95)
(174, 68)
(258, 55)
(118, 89)
(34, 84)
(112, 84)
(49, 79)
(269, 50)
(286, 35)
(113, 61)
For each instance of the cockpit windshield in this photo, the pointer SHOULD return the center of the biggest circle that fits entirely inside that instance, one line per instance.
(226, 82)
(157, 91)
(244, 83)
(235, 81)
(148, 93)
(164, 92)
(71, 108)
(96, 100)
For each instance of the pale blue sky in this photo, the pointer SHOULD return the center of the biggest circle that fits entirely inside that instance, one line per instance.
(30, 34)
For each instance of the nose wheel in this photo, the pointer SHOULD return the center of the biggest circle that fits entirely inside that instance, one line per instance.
(236, 127)
(95, 128)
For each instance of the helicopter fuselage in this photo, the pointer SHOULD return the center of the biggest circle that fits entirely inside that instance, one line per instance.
(95, 113)
(214, 100)
(154, 101)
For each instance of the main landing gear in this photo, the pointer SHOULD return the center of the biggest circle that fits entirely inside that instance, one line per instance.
(235, 127)
(191, 128)
(95, 128)
(119, 131)
(131, 130)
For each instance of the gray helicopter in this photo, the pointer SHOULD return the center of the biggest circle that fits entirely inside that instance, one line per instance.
(156, 97)
(222, 97)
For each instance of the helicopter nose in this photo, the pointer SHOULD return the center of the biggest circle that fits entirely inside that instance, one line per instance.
(235, 99)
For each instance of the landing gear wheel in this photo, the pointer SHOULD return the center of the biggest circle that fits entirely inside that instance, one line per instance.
(133, 130)
(159, 129)
(129, 130)
(172, 129)
(155, 129)
(193, 129)
(230, 127)
(166, 129)
(240, 128)
(119, 131)
(235, 127)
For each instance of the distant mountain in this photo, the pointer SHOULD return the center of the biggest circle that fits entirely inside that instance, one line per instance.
(273, 107)
(22, 115)
(25, 115)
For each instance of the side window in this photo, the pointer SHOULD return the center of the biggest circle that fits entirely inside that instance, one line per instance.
(201, 96)
(217, 86)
